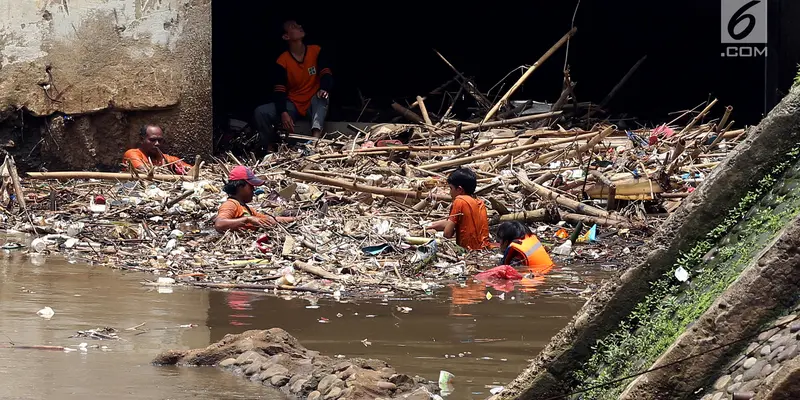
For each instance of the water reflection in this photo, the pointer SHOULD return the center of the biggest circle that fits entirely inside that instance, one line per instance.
(482, 341)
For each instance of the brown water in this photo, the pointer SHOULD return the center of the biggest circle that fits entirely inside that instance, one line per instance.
(482, 342)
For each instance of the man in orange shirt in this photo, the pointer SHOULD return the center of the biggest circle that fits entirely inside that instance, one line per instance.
(303, 83)
(234, 214)
(149, 153)
(467, 221)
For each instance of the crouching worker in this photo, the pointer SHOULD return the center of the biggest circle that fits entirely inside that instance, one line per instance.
(467, 221)
(149, 154)
(521, 248)
(234, 214)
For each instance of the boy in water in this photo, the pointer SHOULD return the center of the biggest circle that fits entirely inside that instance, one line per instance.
(467, 221)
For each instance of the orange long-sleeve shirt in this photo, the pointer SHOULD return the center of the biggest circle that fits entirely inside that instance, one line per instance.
(139, 160)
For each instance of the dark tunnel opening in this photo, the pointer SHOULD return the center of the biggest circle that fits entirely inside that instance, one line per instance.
(380, 56)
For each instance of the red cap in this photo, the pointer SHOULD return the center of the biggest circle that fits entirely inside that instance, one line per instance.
(242, 173)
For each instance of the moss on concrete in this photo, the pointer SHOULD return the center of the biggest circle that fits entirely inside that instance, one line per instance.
(672, 306)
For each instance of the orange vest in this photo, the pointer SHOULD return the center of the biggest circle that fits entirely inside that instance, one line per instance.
(530, 251)
(302, 78)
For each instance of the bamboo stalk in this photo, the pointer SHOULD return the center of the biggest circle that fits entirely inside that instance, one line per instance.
(254, 286)
(725, 117)
(560, 199)
(511, 121)
(12, 170)
(540, 215)
(352, 186)
(408, 114)
(424, 110)
(110, 176)
(586, 147)
(503, 100)
(589, 219)
(502, 152)
(316, 271)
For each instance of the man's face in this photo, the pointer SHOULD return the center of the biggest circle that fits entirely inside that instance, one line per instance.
(247, 192)
(293, 31)
(152, 142)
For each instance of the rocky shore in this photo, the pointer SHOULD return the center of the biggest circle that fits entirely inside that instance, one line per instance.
(277, 359)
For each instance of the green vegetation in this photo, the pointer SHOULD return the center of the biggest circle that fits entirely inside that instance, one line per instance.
(671, 305)
(797, 77)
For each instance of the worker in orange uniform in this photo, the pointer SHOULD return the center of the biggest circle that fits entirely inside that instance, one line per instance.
(468, 221)
(303, 84)
(149, 153)
(234, 214)
(521, 248)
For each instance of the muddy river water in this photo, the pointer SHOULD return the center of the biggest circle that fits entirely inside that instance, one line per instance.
(483, 342)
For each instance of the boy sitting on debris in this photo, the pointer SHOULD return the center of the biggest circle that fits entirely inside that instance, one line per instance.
(467, 221)
(521, 248)
(234, 214)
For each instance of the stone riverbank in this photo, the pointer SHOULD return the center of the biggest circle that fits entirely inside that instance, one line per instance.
(276, 358)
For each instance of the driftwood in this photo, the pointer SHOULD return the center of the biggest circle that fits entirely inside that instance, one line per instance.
(316, 271)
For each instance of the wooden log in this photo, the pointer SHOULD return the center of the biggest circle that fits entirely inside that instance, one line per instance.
(677, 195)
(316, 271)
(503, 100)
(352, 186)
(12, 170)
(512, 121)
(110, 176)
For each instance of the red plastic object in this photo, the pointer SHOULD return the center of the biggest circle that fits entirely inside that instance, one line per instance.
(260, 243)
(388, 143)
(501, 272)
(99, 199)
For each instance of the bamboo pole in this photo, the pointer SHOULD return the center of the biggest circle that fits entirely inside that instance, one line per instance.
(352, 186)
(424, 110)
(586, 147)
(12, 170)
(316, 271)
(255, 286)
(511, 121)
(502, 152)
(110, 176)
(540, 215)
(560, 199)
(528, 73)
(589, 219)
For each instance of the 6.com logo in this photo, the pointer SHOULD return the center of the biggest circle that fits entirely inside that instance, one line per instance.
(744, 28)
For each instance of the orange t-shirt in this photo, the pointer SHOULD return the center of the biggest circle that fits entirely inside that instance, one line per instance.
(302, 78)
(232, 209)
(472, 224)
(139, 160)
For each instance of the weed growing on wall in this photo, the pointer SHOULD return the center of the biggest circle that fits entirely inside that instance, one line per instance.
(714, 263)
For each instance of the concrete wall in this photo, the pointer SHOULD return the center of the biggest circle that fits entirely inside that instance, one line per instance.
(114, 64)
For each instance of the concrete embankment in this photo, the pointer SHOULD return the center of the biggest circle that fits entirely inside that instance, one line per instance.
(702, 218)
